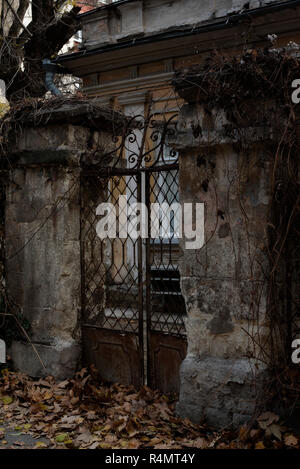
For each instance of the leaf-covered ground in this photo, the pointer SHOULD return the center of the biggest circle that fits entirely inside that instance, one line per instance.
(81, 413)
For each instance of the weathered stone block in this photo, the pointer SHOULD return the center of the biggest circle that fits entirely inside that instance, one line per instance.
(60, 360)
(221, 391)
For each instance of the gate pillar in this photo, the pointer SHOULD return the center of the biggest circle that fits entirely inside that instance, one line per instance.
(224, 283)
(43, 259)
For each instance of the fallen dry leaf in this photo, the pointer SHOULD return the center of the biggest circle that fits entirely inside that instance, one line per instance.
(260, 445)
(291, 440)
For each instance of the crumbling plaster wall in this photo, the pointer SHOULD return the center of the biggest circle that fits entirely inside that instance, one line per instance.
(224, 283)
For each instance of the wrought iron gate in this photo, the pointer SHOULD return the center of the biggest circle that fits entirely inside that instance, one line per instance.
(133, 311)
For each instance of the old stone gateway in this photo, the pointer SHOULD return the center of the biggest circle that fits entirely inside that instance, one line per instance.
(150, 311)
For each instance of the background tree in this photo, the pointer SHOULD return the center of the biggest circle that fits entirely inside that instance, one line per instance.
(23, 47)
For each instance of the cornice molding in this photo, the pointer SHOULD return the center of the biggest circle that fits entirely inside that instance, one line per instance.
(132, 97)
(123, 85)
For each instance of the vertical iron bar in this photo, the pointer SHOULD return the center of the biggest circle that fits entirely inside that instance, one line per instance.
(140, 287)
(82, 247)
(148, 278)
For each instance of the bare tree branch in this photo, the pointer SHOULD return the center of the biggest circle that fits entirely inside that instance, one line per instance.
(22, 9)
(23, 48)
(18, 24)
